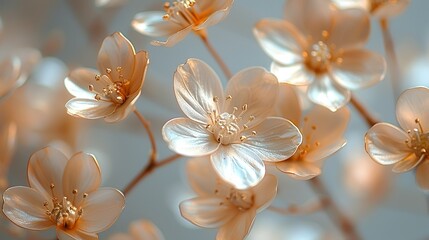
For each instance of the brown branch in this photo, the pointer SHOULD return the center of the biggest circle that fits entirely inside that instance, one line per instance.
(369, 119)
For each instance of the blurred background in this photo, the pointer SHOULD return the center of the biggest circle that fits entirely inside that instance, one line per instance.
(68, 35)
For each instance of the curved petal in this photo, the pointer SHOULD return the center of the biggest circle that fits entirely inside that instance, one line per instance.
(239, 227)
(257, 89)
(123, 110)
(46, 167)
(408, 163)
(385, 144)
(325, 92)
(151, 23)
(276, 139)
(10, 72)
(139, 74)
(101, 209)
(81, 173)
(280, 40)
(294, 74)
(116, 51)
(201, 175)
(208, 212)
(300, 170)
(195, 86)
(359, 69)
(238, 165)
(188, 138)
(345, 20)
(222, 9)
(343, 4)
(265, 192)
(323, 151)
(413, 104)
(390, 8)
(89, 108)
(24, 207)
(175, 38)
(75, 235)
(77, 83)
(287, 105)
(422, 175)
(145, 230)
(312, 17)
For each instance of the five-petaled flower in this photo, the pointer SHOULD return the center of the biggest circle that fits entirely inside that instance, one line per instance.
(377, 8)
(407, 148)
(232, 127)
(321, 46)
(180, 18)
(64, 194)
(220, 205)
(110, 95)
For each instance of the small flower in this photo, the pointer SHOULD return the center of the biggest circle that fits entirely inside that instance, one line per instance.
(232, 127)
(110, 95)
(64, 194)
(140, 230)
(321, 46)
(322, 133)
(7, 148)
(405, 148)
(220, 205)
(377, 8)
(180, 18)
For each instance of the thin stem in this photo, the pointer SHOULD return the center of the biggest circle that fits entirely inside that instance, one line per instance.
(147, 170)
(146, 125)
(301, 210)
(336, 215)
(215, 55)
(392, 60)
(369, 119)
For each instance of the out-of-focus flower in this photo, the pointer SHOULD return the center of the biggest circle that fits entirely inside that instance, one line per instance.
(220, 205)
(109, 3)
(377, 8)
(180, 18)
(110, 95)
(64, 194)
(140, 230)
(408, 148)
(7, 148)
(321, 46)
(322, 133)
(232, 127)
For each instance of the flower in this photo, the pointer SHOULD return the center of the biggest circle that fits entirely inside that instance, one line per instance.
(180, 18)
(232, 127)
(378, 8)
(7, 148)
(322, 132)
(140, 230)
(321, 46)
(64, 194)
(405, 148)
(110, 95)
(220, 205)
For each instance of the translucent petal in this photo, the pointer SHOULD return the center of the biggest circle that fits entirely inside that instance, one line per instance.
(89, 108)
(123, 110)
(239, 227)
(188, 138)
(300, 170)
(408, 163)
(391, 9)
(109, 3)
(325, 92)
(276, 139)
(359, 69)
(385, 144)
(145, 230)
(175, 38)
(208, 7)
(238, 165)
(265, 192)
(77, 83)
(287, 105)
(24, 207)
(152, 24)
(208, 212)
(411, 105)
(201, 175)
(221, 10)
(101, 208)
(75, 235)
(280, 40)
(137, 80)
(325, 150)
(294, 74)
(195, 86)
(342, 4)
(422, 175)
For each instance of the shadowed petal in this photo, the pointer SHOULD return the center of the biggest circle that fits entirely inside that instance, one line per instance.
(188, 138)
(239, 227)
(152, 24)
(323, 151)
(287, 105)
(422, 175)
(122, 111)
(24, 207)
(391, 8)
(222, 9)
(410, 106)
(294, 74)
(175, 38)
(201, 175)
(75, 235)
(328, 94)
(137, 80)
(408, 163)
(89, 108)
(265, 192)
(145, 230)
(300, 170)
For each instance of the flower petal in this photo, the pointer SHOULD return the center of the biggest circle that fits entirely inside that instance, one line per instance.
(300, 170)
(317, 155)
(81, 173)
(8, 140)
(359, 69)
(145, 230)
(175, 38)
(287, 105)
(101, 209)
(390, 8)
(256, 88)
(408, 163)
(201, 175)
(77, 83)
(89, 108)
(151, 23)
(276, 139)
(207, 212)
(265, 192)
(75, 235)
(280, 40)
(123, 110)
(195, 86)
(325, 92)
(24, 207)
(385, 144)
(116, 51)
(422, 175)
(238, 165)
(137, 80)
(294, 74)
(188, 138)
(239, 227)
(411, 105)
(10, 71)
(221, 10)
(46, 167)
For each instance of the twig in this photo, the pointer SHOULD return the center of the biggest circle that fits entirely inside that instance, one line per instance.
(146, 125)
(369, 119)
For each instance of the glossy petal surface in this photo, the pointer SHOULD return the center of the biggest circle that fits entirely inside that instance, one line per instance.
(151, 23)
(89, 108)
(410, 106)
(238, 228)
(294, 74)
(325, 92)
(422, 175)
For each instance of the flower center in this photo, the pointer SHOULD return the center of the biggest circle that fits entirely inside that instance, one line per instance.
(243, 200)
(114, 91)
(308, 144)
(227, 127)
(418, 140)
(181, 12)
(64, 213)
(318, 57)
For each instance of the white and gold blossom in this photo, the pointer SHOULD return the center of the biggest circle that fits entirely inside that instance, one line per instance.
(377, 8)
